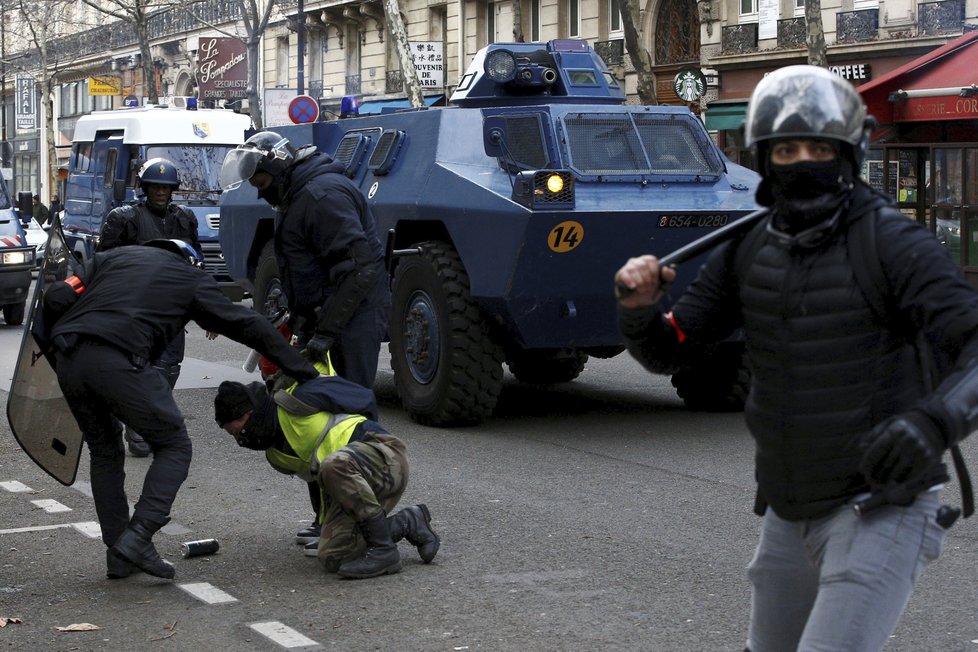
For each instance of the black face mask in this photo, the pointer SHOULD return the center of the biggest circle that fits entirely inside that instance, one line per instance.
(261, 431)
(272, 194)
(808, 193)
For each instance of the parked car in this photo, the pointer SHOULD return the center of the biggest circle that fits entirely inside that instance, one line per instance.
(37, 236)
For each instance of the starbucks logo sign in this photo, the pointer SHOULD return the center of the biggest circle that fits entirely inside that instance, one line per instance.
(690, 84)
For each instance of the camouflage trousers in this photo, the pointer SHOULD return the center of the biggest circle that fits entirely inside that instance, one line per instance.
(359, 481)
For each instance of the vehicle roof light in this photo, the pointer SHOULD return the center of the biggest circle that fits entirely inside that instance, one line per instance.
(501, 66)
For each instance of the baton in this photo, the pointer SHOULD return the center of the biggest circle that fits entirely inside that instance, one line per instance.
(897, 494)
(708, 241)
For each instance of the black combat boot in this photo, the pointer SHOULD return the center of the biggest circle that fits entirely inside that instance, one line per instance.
(117, 568)
(414, 524)
(381, 556)
(135, 545)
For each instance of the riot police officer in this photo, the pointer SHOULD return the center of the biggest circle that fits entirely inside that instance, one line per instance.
(102, 347)
(330, 259)
(840, 408)
(153, 217)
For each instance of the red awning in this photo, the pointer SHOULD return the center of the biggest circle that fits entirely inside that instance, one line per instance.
(933, 83)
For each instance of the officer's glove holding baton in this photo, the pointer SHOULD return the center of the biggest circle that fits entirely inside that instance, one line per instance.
(642, 281)
(902, 448)
(318, 347)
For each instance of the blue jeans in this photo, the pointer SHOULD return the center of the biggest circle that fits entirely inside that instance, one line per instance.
(840, 582)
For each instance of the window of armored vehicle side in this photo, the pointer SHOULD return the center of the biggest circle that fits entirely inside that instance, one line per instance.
(582, 78)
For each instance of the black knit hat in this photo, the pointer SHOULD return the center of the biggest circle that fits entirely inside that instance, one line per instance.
(234, 399)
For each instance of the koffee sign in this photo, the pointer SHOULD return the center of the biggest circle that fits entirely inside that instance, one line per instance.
(222, 69)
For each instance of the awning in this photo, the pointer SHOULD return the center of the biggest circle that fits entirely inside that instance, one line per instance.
(936, 78)
(723, 115)
(381, 106)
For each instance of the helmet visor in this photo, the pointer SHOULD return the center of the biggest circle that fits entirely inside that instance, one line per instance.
(239, 166)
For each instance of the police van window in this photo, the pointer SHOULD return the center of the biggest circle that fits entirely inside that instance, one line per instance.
(83, 157)
(110, 167)
(199, 166)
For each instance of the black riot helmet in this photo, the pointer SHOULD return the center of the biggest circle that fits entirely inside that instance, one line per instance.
(180, 248)
(160, 171)
(807, 102)
(266, 151)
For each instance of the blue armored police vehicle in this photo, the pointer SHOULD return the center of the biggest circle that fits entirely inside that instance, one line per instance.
(507, 216)
(108, 149)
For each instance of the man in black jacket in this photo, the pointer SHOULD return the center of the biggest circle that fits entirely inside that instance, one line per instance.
(154, 217)
(330, 259)
(105, 325)
(840, 407)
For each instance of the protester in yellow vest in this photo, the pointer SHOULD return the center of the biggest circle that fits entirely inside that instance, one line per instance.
(326, 431)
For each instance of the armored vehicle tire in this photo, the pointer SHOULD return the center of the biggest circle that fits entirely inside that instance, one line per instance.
(546, 367)
(717, 381)
(266, 279)
(447, 369)
(14, 314)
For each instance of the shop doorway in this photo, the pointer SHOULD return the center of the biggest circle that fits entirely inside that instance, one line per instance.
(936, 185)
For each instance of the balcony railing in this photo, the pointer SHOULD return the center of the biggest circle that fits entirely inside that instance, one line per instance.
(856, 26)
(394, 81)
(940, 17)
(739, 39)
(792, 33)
(611, 52)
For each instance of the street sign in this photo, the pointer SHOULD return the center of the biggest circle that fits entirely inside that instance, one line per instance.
(303, 109)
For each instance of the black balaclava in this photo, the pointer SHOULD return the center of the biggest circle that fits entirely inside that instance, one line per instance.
(234, 399)
(806, 196)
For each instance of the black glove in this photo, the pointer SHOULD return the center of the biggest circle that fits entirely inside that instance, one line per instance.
(318, 346)
(906, 446)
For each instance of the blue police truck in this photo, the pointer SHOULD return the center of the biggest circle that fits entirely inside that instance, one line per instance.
(108, 149)
(507, 216)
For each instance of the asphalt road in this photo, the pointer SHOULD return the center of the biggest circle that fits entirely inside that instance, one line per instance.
(598, 515)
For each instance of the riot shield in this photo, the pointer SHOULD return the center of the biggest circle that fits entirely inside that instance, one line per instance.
(36, 409)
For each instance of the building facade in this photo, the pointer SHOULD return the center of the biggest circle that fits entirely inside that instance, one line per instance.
(347, 49)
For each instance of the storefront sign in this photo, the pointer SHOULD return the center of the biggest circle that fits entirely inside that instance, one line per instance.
(689, 84)
(854, 71)
(430, 63)
(26, 103)
(925, 109)
(104, 86)
(222, 69)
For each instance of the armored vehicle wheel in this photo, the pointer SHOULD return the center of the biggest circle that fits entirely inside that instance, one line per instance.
(14, 314)
(717, 381)
(546, 367)
(267, 282)
(447, 369)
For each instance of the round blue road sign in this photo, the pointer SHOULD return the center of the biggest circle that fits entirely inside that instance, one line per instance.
(303, 109)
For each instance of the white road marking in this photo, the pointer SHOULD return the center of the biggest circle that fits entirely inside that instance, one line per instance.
(283, 635)
(37, 528)
(51, 506)
(207, 593)
(15, 487)
(90, 529)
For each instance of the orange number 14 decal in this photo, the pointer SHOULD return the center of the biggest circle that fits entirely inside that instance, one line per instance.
(565, 236)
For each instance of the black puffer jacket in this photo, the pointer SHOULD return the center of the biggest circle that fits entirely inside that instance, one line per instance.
(823, 370)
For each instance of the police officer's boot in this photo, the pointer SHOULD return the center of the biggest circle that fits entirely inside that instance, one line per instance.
(414, 524)
(381, 556)
(135, 545)
(137, 445)
(117, 568)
